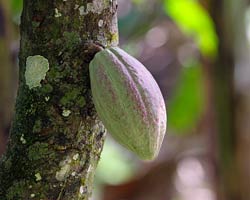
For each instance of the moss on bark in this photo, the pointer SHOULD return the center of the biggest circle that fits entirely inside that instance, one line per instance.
(56, 138)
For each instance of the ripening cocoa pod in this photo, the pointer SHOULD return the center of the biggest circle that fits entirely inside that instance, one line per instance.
(128, 101)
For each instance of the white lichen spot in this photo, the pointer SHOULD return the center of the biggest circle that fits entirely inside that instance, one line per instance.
(81, 10)
(66, 113)
(76, 6)
(47, 99)
(89, 8)
(81, 190)
(32, 195)
(76, 156)
(57, 13)
(22, 139)
(38, 177)
(73, 174)
(66, 161)
(100, 23)
(90, 168)
(36, 68)
(97, 6)
(63, 173)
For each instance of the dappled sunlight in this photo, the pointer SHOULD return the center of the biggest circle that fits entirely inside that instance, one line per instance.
(157, 37)
(191, 182)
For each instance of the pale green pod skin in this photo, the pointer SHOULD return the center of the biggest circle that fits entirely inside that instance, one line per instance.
(128, 101)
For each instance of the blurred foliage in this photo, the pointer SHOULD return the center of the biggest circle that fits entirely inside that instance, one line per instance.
(16, 9)
(128, 23)
(195, 21)
(134, 20)
(16, 6)
(186, 106)
(114, 166)
(138, 2)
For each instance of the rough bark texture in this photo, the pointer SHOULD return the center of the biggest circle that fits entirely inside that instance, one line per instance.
(56, 138)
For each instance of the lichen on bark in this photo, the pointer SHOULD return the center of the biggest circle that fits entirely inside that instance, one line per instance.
(56, 138)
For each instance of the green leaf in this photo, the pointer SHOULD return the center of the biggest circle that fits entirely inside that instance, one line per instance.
(16, 9)
(186, 106)
(195, 21)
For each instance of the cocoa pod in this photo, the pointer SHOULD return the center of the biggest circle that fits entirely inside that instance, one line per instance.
(128, 101)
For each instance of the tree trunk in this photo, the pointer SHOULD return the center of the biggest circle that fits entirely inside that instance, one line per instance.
(227, 16)
(56, 139)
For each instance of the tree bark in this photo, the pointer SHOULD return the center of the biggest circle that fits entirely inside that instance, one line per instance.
(56, 138)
